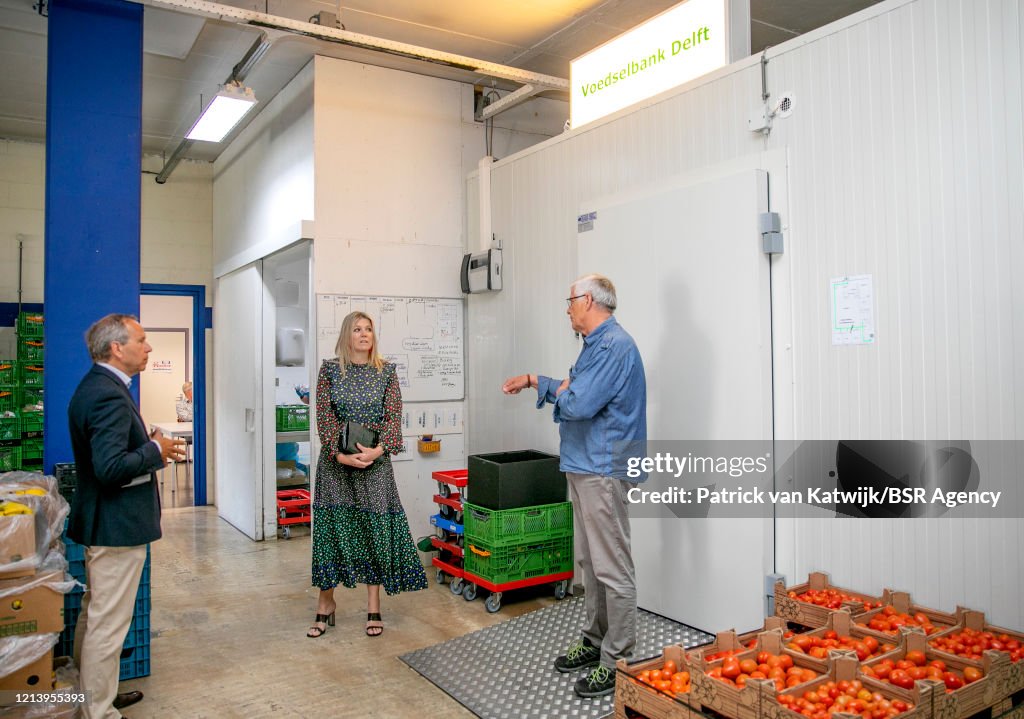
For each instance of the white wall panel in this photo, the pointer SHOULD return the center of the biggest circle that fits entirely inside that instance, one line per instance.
(263, 181)
(905, 162)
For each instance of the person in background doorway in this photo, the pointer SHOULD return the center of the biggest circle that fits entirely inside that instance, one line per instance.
(115, 512)
(360, 531)
(602, 403)
(183, 407)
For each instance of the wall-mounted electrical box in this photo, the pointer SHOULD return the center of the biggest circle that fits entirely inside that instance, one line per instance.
(481, 272)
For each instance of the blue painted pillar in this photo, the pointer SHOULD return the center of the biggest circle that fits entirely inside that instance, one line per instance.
(93, 170)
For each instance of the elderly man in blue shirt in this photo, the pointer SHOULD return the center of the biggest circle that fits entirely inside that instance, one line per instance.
(600, 408)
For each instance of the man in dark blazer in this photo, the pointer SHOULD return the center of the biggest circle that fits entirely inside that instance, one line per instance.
(116, 508)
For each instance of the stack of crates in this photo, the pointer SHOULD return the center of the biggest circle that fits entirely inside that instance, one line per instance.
(30, 388)
(10, 420)
(509, 546)
(135, 650)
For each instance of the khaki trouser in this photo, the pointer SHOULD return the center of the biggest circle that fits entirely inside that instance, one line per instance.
(112, 576)
(601, 527)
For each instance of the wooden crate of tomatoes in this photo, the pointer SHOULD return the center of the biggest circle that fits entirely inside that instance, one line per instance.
(899, 611)
(842, 692)
(811, 602)
(973, 637)
(966, 687)
(840, 634)
(739, 682)
(655, 688)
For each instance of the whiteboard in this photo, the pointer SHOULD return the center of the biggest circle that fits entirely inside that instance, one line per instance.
(423, 336)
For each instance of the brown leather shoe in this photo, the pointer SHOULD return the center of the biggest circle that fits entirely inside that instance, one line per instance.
(126, 700)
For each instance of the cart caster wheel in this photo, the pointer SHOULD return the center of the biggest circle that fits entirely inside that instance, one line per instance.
(444, 490)
(287, 532)
(440, 577)
(469, 593)
(493, 602)
(456, 586)
(560, 589)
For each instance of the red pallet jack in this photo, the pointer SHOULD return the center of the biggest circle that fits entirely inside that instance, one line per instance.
(293, 507)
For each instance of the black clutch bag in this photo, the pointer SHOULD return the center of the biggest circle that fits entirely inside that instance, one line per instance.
(353, 433)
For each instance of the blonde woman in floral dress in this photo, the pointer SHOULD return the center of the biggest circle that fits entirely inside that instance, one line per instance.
(360, 531)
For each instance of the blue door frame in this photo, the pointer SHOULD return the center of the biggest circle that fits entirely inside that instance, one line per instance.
(200, 323)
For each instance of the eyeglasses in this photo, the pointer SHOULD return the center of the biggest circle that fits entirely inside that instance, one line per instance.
(568, 300)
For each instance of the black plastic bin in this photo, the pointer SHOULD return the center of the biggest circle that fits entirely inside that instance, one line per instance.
(508, 480)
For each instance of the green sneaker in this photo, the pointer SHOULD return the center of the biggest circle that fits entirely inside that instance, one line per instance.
(600, 682)
(580, 655)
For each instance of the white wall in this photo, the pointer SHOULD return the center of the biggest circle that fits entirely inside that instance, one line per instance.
(904, 162)
(263, 181)
(175, 227)
(392, 152)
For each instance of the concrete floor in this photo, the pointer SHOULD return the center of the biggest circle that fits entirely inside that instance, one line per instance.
(229, 620)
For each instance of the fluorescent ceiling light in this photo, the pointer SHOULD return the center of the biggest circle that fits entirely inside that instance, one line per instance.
(228, 107)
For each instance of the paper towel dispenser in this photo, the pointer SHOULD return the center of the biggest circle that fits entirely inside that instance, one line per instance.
(482, 272)
(291, 347)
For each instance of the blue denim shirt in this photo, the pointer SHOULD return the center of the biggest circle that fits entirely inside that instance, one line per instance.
(604, 406)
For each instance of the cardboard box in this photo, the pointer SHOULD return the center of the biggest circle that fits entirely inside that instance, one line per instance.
(36, 677)
(633, 697)
(1010, 679)
(17, 543)
(813, 615)
(38, 609)
(900, 601)
(845, 668)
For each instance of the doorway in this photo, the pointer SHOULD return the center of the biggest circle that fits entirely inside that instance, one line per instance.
(174, 317)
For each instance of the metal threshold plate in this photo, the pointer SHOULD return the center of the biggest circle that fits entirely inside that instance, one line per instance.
(506, 671)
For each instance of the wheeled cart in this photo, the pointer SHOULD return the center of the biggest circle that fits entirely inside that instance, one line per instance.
(449, 538)
(293, 507)
(559, 581)
(516, 548)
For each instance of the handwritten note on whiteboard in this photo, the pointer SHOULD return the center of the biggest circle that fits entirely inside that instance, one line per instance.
(423, 336)
(853, 310)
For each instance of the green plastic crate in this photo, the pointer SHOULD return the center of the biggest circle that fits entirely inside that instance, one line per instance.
(31, 425)
(502, 565)
(292, 417)
(8, 372)
(25, 397)
(30, 349)
(30, 324)
(10, 428)
(31, 452)
(8, 399)
(502, 527)
(10, 459)
(31, 375)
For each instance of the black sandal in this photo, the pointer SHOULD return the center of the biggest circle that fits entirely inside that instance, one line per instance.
(373, 621)
(326, 619)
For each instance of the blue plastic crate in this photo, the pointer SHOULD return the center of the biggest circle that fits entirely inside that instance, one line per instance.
(138, 633)
(136, 664)
(438, 521)
(74, 552)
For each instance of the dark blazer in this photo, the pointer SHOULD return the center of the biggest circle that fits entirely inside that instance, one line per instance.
(111, 447)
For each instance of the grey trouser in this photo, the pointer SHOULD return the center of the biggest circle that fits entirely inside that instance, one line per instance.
(601, 526)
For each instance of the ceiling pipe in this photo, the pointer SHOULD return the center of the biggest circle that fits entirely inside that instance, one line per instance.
(358, 40)
(255, 53)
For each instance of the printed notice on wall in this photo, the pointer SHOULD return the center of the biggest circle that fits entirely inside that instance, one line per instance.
(162, 366)
(853, 310)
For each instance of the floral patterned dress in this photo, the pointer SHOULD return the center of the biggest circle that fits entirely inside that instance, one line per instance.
(360, 531)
